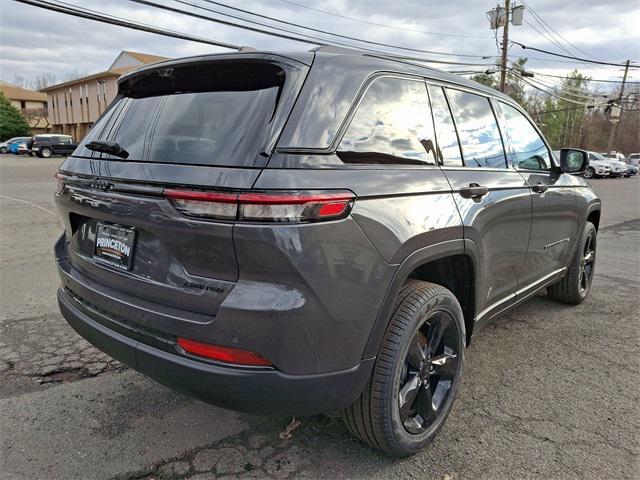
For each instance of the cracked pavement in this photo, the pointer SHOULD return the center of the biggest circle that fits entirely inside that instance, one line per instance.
(549, 390)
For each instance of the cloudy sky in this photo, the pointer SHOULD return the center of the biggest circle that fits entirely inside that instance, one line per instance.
(34, 41)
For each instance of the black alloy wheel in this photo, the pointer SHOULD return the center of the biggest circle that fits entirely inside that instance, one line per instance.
(428, 373)
(416, 374)
(588, 262)
(574, 287)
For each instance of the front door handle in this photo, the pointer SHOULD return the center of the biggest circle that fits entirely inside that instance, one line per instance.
(474, 191)
(540, 187)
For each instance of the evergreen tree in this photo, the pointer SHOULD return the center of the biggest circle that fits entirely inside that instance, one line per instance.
(12, 123)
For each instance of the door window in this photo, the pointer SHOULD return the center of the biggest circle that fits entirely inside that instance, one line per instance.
(448, 147)
(478, 130)
(528, 150)
(392, 125)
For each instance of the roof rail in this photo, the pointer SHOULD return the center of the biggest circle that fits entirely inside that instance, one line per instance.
(334, 49)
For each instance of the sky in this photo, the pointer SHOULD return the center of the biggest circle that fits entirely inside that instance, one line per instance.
(34, 41)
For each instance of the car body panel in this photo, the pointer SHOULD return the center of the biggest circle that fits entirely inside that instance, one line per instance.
(498, 224)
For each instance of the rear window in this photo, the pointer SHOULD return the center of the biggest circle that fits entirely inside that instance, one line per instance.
(204, 115)
(478, 130)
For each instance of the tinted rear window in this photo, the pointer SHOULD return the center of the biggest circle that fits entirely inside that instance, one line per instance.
(209, 115)
(478, 130)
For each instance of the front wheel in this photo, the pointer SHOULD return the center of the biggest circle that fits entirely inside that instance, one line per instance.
(589, 173)
(3, 149)
(416, 375)
(45, 153)
(575, 285)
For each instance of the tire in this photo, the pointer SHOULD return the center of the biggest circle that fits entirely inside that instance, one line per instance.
(589, 173)
(575, 285)
(45, 152)
(398, 423)
(3, 149)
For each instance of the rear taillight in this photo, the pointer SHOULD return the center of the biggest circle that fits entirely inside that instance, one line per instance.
(60, 177)
(223, 354)
(307, 206)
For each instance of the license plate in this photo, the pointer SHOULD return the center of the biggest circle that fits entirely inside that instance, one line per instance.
(114, 246)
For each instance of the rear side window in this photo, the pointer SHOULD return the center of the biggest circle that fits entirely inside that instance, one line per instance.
(392, 125)
(206, 115)
(528, 150)
(478, 130)
(448, 147)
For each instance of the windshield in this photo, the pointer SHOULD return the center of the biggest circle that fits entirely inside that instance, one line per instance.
(202, 115)
(599, 157)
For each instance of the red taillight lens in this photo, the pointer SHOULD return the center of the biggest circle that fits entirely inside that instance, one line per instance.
(222, 206)
(223, 354)
(263, 207)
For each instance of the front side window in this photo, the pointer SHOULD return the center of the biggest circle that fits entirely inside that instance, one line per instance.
(478, 130)
(392, 125)
(528, 150)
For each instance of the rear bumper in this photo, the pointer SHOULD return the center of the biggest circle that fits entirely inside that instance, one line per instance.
(242, 389)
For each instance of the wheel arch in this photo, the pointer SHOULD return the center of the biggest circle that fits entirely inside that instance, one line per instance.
(434, 264)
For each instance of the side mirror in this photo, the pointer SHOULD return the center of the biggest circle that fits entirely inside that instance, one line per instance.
(573, 160)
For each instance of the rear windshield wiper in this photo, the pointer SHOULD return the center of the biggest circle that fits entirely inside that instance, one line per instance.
(107, 146)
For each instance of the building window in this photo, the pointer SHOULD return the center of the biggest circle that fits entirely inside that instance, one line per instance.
(23, 104)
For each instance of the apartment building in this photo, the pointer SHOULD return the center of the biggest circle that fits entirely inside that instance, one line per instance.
(74, 105)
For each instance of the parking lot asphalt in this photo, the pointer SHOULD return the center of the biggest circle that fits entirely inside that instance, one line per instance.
(549, 391)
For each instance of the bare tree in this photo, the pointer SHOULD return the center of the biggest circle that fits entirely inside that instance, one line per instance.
(44, 80)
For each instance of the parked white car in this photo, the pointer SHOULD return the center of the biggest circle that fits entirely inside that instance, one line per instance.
(615, 156)
(634, 159)
(618, 168)
(596, 169)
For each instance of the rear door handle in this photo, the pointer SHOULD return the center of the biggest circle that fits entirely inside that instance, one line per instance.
(474, 191)
(540, 187)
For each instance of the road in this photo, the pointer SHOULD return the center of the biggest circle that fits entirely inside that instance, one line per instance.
(550, 391)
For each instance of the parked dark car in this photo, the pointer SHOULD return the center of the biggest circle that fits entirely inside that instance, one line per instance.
(323, 230)
(47, 145)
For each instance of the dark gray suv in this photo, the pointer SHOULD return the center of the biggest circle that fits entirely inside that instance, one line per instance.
(299, 233)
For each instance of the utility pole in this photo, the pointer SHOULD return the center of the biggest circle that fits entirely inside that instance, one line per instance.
(616, 121)
(505, 46)
(502, 17)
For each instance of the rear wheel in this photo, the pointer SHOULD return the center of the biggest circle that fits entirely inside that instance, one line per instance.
(3, 149)
(45, 152)
(416, 374)
(589, 173)
(575, 285)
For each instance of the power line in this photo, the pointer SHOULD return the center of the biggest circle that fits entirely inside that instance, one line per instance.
(568, 100)
(553, 41)
(113, 20)
(541, 21)
(313, 40)
(590, 79)
(571, 57)
(564, 90)
(249, 12)
(394, 27)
